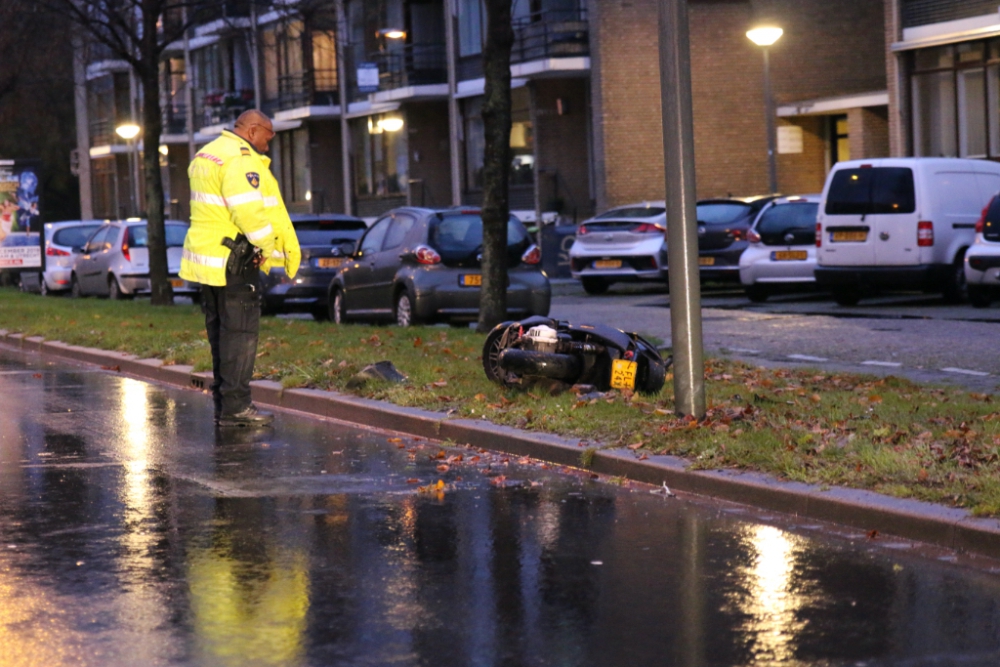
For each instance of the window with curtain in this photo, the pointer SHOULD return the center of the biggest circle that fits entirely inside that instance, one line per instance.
(470, 27)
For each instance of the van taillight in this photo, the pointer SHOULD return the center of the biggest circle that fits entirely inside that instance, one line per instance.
(925, 233)
(819, 235)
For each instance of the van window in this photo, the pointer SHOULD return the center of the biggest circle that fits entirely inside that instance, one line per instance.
(871, 190)
(991, 222)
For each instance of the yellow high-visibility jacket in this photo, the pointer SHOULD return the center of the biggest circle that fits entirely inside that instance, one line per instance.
(233, 191)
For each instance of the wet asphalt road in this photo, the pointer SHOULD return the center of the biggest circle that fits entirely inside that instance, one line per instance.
(134, 533)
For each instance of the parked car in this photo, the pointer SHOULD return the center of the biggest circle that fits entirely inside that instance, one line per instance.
(327, 241)
(622, 244)
(417, 265)
(723, 224)
(982, 260)
(11, 267)
(114, 262)
(61, 238)
(781, 247)
(900, 223)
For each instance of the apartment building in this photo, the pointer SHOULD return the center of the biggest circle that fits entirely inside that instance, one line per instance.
(586, 100)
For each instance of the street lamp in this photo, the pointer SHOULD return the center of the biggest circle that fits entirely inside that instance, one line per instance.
(129, 131)
(764, 37)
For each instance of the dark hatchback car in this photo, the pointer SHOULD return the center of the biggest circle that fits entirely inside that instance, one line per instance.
(723, 224)
(417, 265)
(327, 241)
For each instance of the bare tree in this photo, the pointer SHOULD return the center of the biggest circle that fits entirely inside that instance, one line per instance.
(138, 31)
(496, 162)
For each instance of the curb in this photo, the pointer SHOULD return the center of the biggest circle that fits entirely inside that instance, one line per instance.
(947, 527)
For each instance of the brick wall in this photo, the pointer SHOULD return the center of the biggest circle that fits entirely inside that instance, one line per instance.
(804, 173)
(427, 124)
(561, 146)
(828, 49)
(326, 174)
(868, 131)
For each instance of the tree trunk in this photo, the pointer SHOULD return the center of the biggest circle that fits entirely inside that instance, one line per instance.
(496, 163)
(162, 293)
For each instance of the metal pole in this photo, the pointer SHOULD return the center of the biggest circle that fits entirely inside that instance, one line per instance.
(345, 130)
(255, 55)
(453, 142)
(134, 145)
(772, 167)
(82, 126)
(682, 241)
(188, 92)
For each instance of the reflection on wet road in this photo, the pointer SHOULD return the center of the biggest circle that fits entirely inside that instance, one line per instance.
(133, 533)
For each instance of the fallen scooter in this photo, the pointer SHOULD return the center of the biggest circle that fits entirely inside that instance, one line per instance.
(519, 354)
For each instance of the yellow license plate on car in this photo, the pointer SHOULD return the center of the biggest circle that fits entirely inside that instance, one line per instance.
(471, 280)
(623, 374)
(706, 261)
(848, 236)
(608, 264)
(790, 255)
(330, 262)
(177, 283)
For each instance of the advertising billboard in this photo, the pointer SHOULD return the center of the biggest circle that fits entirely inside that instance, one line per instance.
(19, 215)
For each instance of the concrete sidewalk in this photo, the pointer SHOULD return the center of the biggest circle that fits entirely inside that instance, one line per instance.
(943, 526)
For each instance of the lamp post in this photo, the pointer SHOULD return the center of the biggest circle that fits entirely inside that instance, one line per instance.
(764, 37)
(129, 131)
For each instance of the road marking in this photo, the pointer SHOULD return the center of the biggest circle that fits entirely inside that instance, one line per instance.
(806, 357)
(891, 364)
(744, 350)
(965, 371)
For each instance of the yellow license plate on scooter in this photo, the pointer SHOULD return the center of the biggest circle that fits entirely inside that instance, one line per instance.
(623, 374)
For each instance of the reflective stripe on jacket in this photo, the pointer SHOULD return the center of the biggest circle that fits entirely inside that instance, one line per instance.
(233, 191)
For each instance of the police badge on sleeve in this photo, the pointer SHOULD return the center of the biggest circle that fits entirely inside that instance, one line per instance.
(253, 178)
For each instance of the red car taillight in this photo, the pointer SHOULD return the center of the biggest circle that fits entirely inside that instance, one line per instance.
(581, 230)
(736, 234)
(753, 236)
(925, 233)
(533, 255)
(426, 255)
(128, 258)
(56, 252)
(819, 235)
(648, 227)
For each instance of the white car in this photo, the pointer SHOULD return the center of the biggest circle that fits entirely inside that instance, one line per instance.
(624, 244)
(982, 259)
(59, 255)
(782, 247)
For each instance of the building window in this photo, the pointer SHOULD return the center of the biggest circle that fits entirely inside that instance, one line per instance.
(956, 100)
(291, 164)
(522, 141)
(470, 27)
(840, 143)
(380, 157)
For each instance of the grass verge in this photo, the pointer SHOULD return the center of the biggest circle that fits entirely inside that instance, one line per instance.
(885, 434)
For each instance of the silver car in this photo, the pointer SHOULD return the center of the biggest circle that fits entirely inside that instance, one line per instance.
(781, 250)
(623, 244)
(115, 261)
(58, 257)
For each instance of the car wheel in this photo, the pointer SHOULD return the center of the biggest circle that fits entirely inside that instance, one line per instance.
(115, 292)
(74, 287)
(336, 307)
(956, 289)
(595, 285)
(847, 296)
(979, 296)
(757, 293)
(405, 317)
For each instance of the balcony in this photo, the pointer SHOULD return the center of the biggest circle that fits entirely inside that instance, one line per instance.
(315, 87)
(555, 34)
(411, 65)
(224, 106)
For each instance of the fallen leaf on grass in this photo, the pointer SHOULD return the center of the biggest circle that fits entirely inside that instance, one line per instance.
(637, 445)
(499, 480)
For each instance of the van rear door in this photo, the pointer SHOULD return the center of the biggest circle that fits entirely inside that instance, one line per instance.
(846, 232)
(894, 217)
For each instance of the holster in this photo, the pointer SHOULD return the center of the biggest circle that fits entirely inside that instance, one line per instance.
(243, 256)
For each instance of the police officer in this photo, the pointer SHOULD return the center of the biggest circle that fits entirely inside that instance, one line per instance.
(234, 200)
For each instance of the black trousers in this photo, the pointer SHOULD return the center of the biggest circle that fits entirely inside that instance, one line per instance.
(232, 319)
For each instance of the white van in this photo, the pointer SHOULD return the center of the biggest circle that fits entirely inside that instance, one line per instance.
(900, 223)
